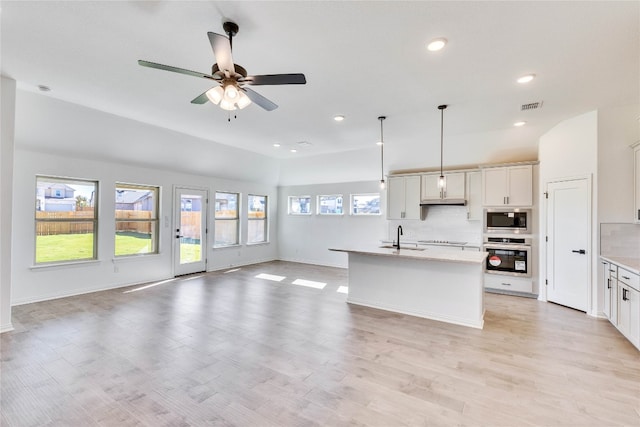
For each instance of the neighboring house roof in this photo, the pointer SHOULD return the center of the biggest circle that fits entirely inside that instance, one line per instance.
(56, 185)
(123, 196)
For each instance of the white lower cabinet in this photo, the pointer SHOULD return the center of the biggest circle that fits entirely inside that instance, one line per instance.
(508, 283)
(621, 303)
(629, 313)
(629, 305)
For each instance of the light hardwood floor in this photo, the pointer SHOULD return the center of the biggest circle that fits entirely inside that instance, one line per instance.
(231, 349)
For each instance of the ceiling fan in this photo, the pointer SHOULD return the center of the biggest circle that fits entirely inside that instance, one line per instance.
(231, 92)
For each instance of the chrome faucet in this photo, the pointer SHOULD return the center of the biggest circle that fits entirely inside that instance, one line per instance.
(397, 245)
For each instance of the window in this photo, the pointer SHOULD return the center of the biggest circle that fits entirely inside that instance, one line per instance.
(66, 219)
(257, 219)
(299, 205)
(330, 205)
(226, 219)
(136, 213)
(365, 204)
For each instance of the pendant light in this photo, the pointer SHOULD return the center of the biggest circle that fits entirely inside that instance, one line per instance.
(441, 180)
(381, 144)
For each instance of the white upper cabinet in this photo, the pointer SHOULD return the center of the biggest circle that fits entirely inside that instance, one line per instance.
(454, 188)
(636, 156)
(507, 186)
(403, 197)
(474, 196)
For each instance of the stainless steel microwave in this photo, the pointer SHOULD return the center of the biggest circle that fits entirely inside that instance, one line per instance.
(507, 221)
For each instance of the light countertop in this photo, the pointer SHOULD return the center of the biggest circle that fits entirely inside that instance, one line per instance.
(428, 254)
(631, 264)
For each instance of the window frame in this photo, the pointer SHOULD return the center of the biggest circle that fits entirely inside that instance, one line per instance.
(351, 207)
(155, 238)
(94, 220)
(319, 204)
(290, 211)
(265, 219)
(236, 219)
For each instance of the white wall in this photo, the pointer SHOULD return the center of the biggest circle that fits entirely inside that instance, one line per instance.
(618, 128)
(33, 284)
(50, 125)
(570, 150)
(347, 166)
(7, 95)
(307, 238)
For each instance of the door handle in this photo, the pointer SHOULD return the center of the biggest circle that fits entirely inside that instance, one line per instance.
(580, 251)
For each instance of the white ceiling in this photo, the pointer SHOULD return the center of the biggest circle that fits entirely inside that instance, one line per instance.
(361, 59)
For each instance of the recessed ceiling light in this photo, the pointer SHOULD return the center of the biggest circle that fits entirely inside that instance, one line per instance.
(276, 145)
(520, 123)
(44, 88)
(338, 118)
(293, 150)
(526, 79)
(436, 44)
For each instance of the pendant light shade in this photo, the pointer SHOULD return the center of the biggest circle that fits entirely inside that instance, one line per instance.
(381, 144)
(442, 182)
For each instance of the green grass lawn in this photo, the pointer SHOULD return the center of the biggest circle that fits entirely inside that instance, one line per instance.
(72, 247)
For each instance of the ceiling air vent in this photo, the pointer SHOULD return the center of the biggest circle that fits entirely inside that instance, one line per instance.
(531, 106)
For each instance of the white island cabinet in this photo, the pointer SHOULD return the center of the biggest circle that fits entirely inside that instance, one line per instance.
(438, 285)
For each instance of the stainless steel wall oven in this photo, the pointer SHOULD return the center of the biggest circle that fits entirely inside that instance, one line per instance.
(510, 256)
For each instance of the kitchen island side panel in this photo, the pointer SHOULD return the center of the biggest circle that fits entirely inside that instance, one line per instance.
(439, 290)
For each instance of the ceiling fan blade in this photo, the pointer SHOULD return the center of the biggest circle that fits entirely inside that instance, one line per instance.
(201, 99)
(222, 52)
(275, 79)
(259, 99)
(176, 70)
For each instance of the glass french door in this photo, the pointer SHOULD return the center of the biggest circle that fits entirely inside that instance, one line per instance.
(190, 246)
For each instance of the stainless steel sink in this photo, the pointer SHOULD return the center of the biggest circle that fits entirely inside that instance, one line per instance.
(402, 247)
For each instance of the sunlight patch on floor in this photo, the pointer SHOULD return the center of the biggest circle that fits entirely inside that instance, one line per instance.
(191, 278)
(231, 271)
(151, 285)
(343, 289)
(271, 277)
(309, 283)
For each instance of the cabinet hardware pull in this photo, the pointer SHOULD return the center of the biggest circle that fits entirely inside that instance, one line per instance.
(506, 284)
(579, 251)
(624, 295)
(608, 283)
(625, 277)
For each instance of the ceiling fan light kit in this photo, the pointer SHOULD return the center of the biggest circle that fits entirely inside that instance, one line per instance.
(231, 94)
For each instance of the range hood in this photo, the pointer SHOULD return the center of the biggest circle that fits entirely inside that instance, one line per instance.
(443, 202)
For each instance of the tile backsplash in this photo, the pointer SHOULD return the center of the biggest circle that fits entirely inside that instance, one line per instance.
(620, 240)
(441, 223)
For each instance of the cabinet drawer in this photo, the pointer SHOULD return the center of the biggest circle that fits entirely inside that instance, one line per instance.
(506, 283)
(628, 278)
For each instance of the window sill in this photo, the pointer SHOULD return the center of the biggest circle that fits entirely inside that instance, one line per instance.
(64, 264)
(128, 258)
(237, 245)
(258, 243)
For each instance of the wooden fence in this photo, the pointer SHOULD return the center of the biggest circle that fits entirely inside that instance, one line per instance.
(60, 226)
(140, 223)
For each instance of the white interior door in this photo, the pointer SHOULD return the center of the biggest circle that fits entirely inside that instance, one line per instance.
(190, 254)
(569, 243)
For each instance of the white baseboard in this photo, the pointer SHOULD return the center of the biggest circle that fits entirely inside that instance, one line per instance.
(6, 328)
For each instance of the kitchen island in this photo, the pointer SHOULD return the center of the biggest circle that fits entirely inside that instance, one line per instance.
(438, 285)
